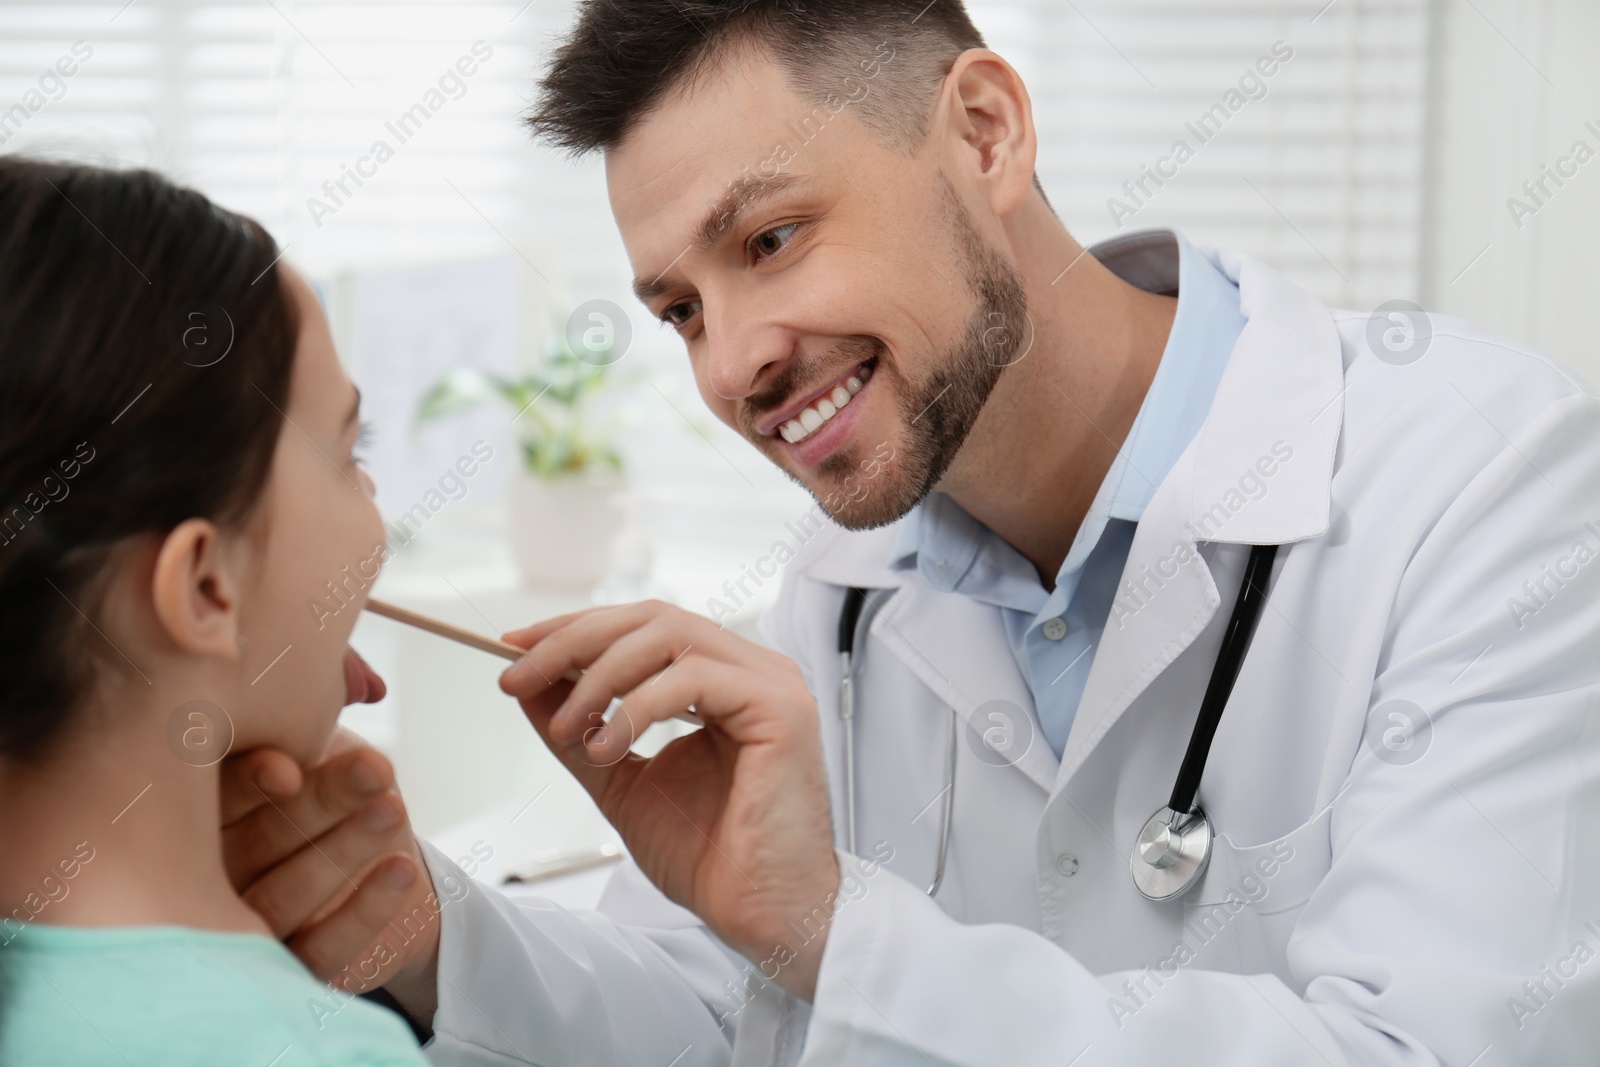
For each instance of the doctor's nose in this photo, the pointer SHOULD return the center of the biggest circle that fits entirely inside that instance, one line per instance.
(742, 357)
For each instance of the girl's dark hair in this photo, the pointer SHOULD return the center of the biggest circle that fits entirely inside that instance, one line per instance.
(146, 344)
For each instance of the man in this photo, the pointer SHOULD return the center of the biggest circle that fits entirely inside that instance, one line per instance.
(1047, 468)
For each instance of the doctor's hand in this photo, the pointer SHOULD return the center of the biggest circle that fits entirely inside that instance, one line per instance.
(327, 857)
(731, 821)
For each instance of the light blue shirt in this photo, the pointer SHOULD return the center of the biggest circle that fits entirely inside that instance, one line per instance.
(1054, 634)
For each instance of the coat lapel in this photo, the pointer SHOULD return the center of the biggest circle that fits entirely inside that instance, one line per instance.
(1258, 472)
(955, 646)
(958, 647)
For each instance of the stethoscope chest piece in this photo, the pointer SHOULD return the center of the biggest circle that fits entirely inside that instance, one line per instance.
(1171, 853)
(1175, 845)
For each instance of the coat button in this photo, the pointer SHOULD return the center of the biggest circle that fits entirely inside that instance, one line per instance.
(1054, 629)
(1067, 864)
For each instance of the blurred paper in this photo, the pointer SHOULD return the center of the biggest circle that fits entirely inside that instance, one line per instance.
(399, 331)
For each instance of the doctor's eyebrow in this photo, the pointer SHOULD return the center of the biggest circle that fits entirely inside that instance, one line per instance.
(740, 197)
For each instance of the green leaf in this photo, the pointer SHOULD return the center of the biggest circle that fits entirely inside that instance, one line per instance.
(549, 405)
(457, 391)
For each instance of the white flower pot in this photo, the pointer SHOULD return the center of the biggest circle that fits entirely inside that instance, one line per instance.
(564, 532)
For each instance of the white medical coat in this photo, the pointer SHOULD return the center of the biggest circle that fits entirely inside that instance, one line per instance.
(1405, 784)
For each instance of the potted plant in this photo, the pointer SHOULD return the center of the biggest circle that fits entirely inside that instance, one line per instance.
(567, 504)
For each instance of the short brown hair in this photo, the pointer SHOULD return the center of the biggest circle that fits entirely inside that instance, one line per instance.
(623, 57)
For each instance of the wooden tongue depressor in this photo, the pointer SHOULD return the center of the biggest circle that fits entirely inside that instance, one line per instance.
(503, 649)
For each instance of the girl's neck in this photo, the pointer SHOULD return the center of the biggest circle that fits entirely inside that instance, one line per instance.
(114, 829)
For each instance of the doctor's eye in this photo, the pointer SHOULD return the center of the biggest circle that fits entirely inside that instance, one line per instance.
(769, 243)
(677, 315)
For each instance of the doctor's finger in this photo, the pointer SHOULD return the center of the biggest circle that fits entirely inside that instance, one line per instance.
(252, 779)
(633, 659)
(692, 681)
(333, 792)
(549, 654)
(530, 635)
(599, 627)
(539, 708)
(577, 645)
(249, 779)
(585, 640)
(325, 870)
(345, 939)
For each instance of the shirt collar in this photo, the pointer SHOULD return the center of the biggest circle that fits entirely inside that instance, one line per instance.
(942, 540)
(1204, 330)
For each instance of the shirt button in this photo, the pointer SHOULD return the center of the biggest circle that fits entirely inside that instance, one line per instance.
(1067, 864)
(1054, 628)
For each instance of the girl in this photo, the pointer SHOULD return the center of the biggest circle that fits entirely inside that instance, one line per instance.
(178, 481)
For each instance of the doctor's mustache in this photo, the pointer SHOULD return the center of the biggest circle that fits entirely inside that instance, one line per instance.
(804, 374)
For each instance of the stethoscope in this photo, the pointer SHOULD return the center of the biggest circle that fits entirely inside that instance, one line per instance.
(849, 615)
(1174, 847)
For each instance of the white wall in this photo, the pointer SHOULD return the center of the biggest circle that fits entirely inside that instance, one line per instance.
(1514, 82)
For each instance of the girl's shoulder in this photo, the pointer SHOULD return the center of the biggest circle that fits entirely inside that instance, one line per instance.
(176, 996)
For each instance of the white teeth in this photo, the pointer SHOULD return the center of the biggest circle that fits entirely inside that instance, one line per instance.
(803, 425)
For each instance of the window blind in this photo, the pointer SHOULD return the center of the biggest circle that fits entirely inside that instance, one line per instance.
(1293, 131)
(1302, 122)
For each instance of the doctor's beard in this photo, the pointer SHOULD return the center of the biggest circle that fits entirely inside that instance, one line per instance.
(861, 490)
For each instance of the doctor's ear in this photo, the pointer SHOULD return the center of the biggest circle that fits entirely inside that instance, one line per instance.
(991, 118)
(195, 588)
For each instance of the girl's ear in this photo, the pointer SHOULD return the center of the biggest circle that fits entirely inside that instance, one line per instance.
(195, 590)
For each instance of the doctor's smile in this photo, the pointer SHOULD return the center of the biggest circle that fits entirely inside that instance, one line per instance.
(1115, 651)
(804, 419)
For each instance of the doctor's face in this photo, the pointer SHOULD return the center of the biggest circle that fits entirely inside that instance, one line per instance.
(837, 301)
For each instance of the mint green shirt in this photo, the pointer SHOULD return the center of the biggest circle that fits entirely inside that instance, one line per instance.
(167, 996)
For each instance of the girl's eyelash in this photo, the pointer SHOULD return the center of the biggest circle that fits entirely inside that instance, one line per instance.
(363, 439)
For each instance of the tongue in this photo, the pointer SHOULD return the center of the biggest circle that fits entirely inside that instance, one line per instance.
(361, 683)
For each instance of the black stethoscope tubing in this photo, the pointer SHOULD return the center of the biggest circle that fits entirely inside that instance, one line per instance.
(1184, 814)
(1235, 643)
